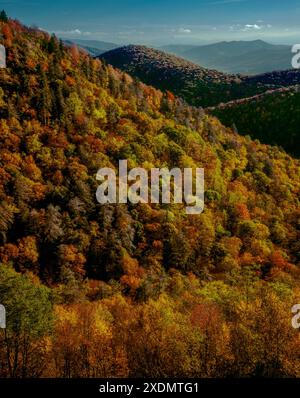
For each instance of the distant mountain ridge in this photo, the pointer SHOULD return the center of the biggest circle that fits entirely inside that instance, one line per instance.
(93, 47)
(245, 57)
(199, 86)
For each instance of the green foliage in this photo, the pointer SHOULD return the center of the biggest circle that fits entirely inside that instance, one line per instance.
(28, 304)
(29, 319)
(212, 196)
(273, 119)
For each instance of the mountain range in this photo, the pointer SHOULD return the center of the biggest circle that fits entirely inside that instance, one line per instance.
(246, 107)
(246, 57)
(93, 47)
(197, 85)
(234, 57)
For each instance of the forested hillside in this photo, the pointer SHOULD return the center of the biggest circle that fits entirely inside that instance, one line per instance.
(273, 116)
(236, 99)
(137, 290)
(196, 85)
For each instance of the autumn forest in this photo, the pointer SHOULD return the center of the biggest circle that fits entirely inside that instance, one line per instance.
(139, 290)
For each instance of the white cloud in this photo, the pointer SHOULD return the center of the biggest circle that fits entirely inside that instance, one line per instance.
(185, 30)
(72, 32)
(256, 27)
(252, 27)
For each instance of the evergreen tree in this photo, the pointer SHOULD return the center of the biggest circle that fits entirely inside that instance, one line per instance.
(3, 16)
(52, 45)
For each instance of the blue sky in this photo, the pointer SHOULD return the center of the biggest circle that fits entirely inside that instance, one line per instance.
(163, 21)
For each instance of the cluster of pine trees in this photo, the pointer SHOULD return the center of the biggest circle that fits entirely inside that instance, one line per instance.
(139, 290)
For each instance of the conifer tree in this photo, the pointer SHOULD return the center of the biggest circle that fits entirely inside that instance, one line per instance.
(3, 16)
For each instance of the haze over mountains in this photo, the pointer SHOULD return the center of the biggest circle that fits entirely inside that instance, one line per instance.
(247, 57)
(93, 47)
(244, 57)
